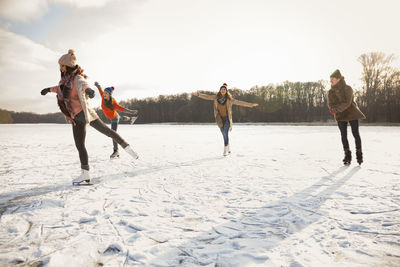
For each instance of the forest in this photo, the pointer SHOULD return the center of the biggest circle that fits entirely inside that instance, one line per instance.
(379, 99)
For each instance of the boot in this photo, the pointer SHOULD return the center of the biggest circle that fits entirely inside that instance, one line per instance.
(83, 177)
(133, 119)
(347, 157)
(130, 151)
(226, 150)
(114, 155)
(229, 149)
(359, 155)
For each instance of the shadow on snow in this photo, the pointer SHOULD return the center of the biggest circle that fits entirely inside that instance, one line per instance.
(246, 238)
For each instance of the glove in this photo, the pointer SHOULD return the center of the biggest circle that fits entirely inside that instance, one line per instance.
(331, 111)
(131, 112)
(89, 92)
(45, 91)
(97, 85)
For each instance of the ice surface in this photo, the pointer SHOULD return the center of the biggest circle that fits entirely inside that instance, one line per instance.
(282, 198)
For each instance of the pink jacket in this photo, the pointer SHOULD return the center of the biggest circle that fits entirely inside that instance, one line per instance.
(78, 98)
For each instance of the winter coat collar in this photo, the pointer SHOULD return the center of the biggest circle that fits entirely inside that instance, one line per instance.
(340, 85)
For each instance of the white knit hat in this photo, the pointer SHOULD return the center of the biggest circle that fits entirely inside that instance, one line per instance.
(68, 59)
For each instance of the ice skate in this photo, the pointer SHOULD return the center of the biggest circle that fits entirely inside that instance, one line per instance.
(114, 155)
(84, 177)
(347, 157)
(359, 155)
(227, 151)
(133, 119)
(130, 151)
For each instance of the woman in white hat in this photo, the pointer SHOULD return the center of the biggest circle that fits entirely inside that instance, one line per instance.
(72, 92)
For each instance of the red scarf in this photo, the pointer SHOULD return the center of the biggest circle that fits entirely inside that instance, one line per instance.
(64, 93)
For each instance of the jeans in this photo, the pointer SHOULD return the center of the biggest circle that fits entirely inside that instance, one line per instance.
(225, 130)
(354, 129)
(114, 126)
(79, 132)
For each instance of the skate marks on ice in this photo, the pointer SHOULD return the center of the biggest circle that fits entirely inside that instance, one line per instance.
(26, 197)
(41, 200)
(260, 228)
(24, 185)
(152, 217)
(316, 215)
(198, 212)
(69, 235)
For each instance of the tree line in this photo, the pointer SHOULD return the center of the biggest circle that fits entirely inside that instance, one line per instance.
(379, 99)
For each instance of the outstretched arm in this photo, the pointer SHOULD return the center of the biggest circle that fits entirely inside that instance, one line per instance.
(123, 109)
(49, 89)
(204, 96)
(99, 87)
(243, 103)
(131, 112)
(118, 107)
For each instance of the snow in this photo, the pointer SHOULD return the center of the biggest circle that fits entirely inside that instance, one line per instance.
(282, 198)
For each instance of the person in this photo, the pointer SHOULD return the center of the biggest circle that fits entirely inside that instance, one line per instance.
(110, 106)
(72, 93)
(341, 104)
(223, 102)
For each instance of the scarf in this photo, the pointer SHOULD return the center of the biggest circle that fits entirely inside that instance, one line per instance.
(63, 95)
(222, 100)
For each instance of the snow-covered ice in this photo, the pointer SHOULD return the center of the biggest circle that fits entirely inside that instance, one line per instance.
(282, 198)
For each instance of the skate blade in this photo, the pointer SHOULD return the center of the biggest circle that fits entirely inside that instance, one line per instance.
(133, 119)
(81, 183)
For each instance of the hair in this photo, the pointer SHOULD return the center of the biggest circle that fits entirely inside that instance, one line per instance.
(109, 103)
(228, 95)
(77, 69)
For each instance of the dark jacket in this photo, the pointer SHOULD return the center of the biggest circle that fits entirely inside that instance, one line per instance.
(341, 102)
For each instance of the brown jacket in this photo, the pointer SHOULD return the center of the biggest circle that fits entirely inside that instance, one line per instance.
(229, 103)
(341, 101)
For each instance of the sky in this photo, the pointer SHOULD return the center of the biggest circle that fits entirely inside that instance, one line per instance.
(145, 48)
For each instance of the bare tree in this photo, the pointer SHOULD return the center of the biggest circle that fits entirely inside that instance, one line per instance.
(381, 86)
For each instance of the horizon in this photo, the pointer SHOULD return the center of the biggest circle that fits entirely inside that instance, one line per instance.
(97, 95)
(148, 48)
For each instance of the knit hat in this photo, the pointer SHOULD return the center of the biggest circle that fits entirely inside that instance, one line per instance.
(336, 74)
(224, 86)
(109, 90)
(68, 59)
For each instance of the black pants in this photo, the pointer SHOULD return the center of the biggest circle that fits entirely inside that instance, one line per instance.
(354, 129)
(79, 131)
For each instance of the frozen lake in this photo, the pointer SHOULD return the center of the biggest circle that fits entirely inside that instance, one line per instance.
(283, 198)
